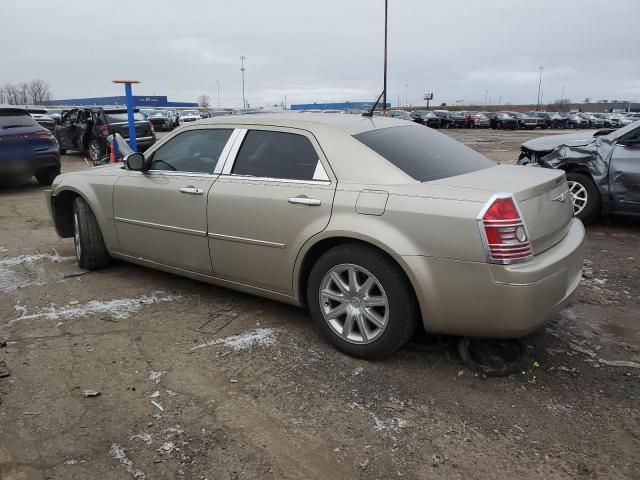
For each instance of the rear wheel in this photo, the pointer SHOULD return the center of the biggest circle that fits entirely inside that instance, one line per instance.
(47, 177)
(93, 151)
(585, 197)
(361, 301)
(91, 252)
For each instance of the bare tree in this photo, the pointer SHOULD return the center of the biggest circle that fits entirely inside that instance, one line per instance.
(11, 94)
(39, 92)
(204, 101)
(23, 93)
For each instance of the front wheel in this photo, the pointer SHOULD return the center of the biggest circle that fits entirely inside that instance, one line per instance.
(91, 252)
(585, 197)
(361, 301)
(93, 151)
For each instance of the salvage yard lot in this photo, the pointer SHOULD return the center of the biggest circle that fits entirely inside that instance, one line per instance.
(199, 382)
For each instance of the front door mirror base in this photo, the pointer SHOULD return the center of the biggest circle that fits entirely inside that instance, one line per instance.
(135, 161)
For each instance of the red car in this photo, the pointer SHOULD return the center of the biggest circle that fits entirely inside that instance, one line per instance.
(477, 120)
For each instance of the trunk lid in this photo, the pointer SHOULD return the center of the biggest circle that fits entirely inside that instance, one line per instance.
(541, 194)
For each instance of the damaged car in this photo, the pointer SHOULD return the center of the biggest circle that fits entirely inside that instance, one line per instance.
(602, 168)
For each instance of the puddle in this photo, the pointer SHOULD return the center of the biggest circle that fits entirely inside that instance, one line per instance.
(38, 269)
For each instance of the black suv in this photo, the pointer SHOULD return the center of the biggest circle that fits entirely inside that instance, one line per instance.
(87, 129)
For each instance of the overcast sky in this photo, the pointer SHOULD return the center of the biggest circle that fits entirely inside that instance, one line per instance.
(326, 50)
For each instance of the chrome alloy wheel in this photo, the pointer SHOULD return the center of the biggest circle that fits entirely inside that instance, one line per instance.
(94, 152)
(354, 304)
(76, 236)
(579, 196)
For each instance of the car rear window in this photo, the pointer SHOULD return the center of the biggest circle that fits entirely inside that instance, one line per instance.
(114, 117)
(423, 154)
(14, 119)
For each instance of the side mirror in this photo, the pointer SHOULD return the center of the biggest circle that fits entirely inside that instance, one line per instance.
(135, 161)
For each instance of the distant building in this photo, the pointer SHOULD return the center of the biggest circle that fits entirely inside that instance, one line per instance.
(337, 106)
(138, 101)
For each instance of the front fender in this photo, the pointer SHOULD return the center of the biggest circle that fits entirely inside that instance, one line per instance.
(97, 191)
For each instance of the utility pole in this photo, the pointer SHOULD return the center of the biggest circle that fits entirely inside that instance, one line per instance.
(218, 85)
(539, 85)
(384, 88)
(406, 94)
(485, 96)
(562, 97)
(244, 102)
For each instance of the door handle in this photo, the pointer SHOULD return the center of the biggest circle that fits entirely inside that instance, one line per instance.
(312, 202)
(191, 190)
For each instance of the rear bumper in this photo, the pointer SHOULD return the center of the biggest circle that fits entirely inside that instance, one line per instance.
(27, 167)
(495, 301)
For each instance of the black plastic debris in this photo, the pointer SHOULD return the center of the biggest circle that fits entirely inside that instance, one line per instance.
(4, 370)
(3, 342)
(495, 358)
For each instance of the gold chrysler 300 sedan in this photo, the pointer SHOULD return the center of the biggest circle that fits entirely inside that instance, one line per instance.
(374, 224)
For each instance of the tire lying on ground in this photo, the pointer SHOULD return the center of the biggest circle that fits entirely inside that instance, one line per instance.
(91, 252)
(361, 301)
(585, 197)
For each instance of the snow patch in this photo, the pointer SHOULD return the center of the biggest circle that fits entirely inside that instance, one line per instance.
(167, 448)
(119, 308)
(260, 337)
(156, 376)
(145, 437)
(12, 279)
(117, 452)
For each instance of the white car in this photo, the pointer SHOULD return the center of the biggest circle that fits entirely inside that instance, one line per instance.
(189, 116)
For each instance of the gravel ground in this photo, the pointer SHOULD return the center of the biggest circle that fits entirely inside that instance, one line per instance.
(201, 382)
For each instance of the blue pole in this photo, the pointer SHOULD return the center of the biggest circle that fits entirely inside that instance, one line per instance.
(132, 125)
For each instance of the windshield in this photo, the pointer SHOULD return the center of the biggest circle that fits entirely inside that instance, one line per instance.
(13, 119)
(115, 117)
(422, 153)
(624, 130)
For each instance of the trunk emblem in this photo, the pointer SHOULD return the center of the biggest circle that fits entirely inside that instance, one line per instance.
(562, 197)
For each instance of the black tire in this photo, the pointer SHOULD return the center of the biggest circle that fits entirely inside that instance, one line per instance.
(47, 177)
(402, 306)
(591, 209)
(91, 252)
(94, 152)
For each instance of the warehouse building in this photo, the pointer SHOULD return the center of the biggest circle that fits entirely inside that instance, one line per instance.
(138, 101)
(338, 106)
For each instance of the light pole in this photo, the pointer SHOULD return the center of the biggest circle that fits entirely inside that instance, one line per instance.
(384, 90)
(129, 98)
(218, 85)
(539, 85)
(244, 102)
(406, 93)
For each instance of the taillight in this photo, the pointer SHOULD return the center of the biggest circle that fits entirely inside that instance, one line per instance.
(503, 231)
(104, 130)
(43, 134)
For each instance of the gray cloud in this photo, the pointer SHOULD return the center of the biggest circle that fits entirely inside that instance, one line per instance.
(328, 50)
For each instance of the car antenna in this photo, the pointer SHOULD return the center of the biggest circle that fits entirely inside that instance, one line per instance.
(370, 113)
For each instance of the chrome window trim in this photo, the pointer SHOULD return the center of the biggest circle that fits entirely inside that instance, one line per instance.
(225, 152)
(226, 170)
(221, 159)
(251, 241)
(275, 180)
(160, 226)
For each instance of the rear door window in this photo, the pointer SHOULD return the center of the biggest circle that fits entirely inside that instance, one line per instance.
(276, 155)
(14, 118)
(422, 153)
(195, 151)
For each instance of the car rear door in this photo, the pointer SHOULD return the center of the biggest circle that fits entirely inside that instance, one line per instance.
(624, 170)
(64, 131)
(161, 215)
(274, 194)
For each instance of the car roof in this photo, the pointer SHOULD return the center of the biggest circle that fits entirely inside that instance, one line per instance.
(349, 124)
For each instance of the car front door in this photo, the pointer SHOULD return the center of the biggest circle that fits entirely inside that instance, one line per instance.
(161, 215)
(64, 131)
(624, 170)
(274, 194)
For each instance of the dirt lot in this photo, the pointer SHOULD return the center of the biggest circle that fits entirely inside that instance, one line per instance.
(201, 382)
